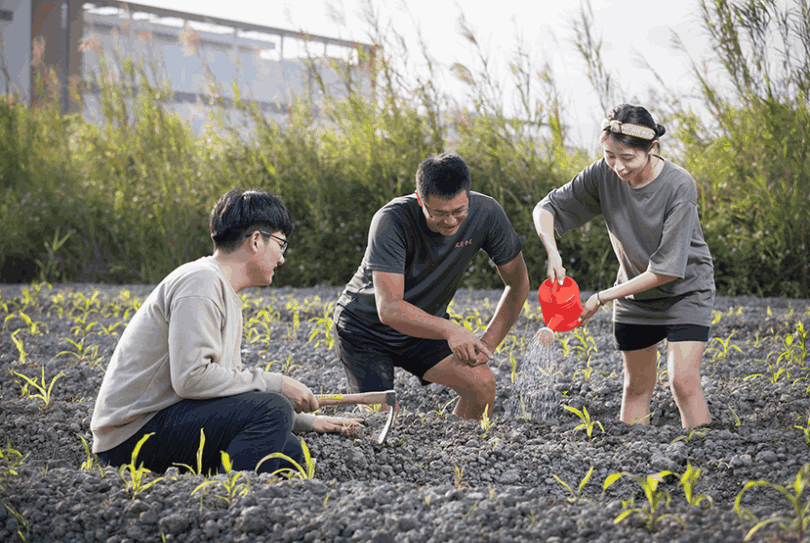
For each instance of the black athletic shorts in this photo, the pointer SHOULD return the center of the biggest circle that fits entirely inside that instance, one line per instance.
(369, 364)
(632, 337)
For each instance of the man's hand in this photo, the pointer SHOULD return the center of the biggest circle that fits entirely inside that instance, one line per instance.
(299, 395)
(467, 347)
(336, 424)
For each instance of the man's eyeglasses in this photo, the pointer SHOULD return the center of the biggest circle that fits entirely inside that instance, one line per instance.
(284, 242)
(457, 213)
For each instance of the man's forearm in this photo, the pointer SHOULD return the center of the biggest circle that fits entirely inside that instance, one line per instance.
(408, 319)
(506, 314)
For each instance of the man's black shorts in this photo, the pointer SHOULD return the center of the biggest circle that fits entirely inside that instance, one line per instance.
(369, 363)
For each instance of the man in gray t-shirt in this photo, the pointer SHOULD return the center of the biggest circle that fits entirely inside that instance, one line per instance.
(393, 311)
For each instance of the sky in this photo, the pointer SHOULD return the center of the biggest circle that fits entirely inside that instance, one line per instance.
(629, 29)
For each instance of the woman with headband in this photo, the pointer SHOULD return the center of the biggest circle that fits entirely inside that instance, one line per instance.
(665, 285)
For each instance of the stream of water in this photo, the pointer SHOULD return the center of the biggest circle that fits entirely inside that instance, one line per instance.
(533, 395)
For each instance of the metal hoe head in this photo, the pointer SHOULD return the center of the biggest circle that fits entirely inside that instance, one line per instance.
(387, 397)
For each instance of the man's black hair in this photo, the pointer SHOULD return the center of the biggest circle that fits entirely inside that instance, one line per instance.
(237, 213)
(443, 175)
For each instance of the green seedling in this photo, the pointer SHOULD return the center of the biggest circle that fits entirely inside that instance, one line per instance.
(486, 422)
(796, 525)
(585, 372)
(90, 460)
(725, 348)
(198, 471)
(44, 388)
(110, 330)
(292, 330)
(299, 471)
(805, 429)
(23, 525)
(794, 346)
(513, 364)
(688, 480)
(229, 482)
(576, 497)
(30, 296)
(287, 366)
(18, 344)
(10, 460)
(458, 475)
(442, 408)
(133, 474)
(690, 436)
(34, 328)
(83, 327)
(83, 353)
(585, 417)
(649, 512)
(774, 372)
(737, 421)
(586, 344)
(324, 325)
(565, 343)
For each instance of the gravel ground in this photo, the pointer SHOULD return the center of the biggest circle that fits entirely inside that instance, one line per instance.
(437, 477)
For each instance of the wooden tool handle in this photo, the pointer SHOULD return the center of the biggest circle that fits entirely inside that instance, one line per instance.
(360, 398)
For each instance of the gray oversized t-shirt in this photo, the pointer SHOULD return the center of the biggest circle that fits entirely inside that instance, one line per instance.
(656, 228)
(399, 241)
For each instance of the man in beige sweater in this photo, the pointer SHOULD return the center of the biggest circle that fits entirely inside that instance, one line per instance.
(178, 367)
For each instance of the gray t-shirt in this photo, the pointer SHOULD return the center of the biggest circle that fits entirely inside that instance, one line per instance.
(656, 228)
(399, 241)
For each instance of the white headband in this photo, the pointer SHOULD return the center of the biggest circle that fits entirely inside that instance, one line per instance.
(636, 130)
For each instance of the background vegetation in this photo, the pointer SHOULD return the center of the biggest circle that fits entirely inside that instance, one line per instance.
(127, 200)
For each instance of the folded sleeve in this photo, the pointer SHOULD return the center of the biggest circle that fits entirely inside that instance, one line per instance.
(576, 202)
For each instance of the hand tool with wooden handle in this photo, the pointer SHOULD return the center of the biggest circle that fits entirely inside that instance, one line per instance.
(387, 397)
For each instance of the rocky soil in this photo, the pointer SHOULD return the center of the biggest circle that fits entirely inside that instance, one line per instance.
(436, 478)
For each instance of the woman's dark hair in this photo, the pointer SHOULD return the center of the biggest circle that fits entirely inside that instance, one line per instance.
(627, 114)
(236, 213)
(443, 175)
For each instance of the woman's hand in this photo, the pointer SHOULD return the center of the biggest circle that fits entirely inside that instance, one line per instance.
(336, 424)
(555, 270)
(589, 309)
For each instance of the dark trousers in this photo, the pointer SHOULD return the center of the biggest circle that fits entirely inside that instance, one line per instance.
(247, 426)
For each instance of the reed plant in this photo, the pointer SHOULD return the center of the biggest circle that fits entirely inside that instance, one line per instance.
(126, 198)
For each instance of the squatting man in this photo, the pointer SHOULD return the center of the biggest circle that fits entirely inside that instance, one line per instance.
(177, 367)
(393, 312)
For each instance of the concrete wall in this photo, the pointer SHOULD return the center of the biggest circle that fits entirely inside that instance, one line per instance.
(16, 38)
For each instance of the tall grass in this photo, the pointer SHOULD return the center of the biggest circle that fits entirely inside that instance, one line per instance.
(751, 155)
(133, 190)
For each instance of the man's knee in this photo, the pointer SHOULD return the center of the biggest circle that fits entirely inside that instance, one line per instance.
(480, 382)
(270, 405)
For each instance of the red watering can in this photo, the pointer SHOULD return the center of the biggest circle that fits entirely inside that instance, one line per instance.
(560, 304)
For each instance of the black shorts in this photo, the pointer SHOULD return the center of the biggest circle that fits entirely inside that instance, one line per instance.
(632, 337)
(369, 364)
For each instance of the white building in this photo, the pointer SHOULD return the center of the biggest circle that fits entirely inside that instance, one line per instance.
(269, 65)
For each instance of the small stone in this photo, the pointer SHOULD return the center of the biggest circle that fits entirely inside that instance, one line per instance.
(767, 457)
(174, 523)
(407, 523)
(211, 529)
(252, 519)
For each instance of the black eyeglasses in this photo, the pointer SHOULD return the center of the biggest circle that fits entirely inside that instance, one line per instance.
(284, 242)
